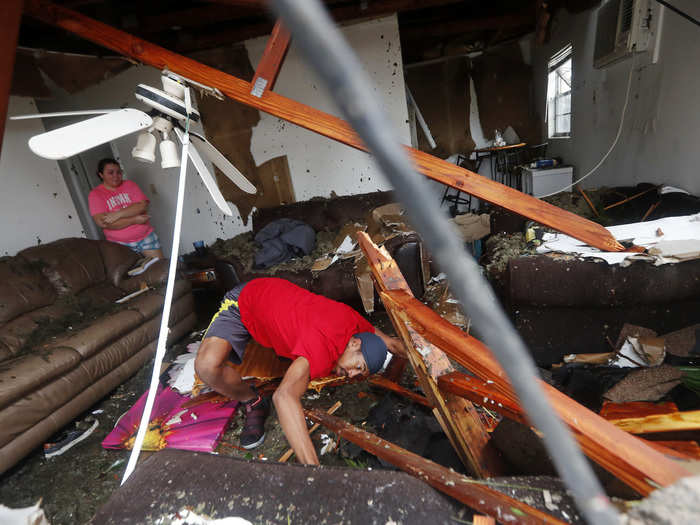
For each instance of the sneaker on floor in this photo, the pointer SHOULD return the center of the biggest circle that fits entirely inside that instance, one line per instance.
(67, 441)
(142, 265)
(256, 413)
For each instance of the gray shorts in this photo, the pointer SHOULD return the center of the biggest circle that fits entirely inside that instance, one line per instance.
(227, 325)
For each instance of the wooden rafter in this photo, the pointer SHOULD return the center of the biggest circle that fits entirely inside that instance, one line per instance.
(11, 12)
(320, 122)
(457, 416)
(475, 495)
(625, 456)
(271, 60)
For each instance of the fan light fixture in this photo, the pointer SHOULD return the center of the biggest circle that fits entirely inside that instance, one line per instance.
(145, 150)
(169, 157)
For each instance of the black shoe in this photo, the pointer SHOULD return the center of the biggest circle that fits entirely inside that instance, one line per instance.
(256, 412)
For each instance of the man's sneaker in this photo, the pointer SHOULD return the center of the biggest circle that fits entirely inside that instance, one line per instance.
(142, 265)
(67, 441)
(256, 412)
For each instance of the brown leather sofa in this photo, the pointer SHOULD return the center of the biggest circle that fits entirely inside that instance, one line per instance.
(64, 343)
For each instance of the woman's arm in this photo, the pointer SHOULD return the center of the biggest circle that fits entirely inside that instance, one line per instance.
(99, 219)
(138, 208)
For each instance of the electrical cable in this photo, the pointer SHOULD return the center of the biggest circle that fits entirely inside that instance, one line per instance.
(679, 12)
(324, 47)
(612, 146)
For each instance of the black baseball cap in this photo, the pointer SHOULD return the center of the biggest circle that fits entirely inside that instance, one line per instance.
(373, 350)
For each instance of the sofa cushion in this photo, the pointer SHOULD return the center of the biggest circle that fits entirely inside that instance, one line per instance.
(102, 295)
(26, 373)
(22, 288)
(71, 264)
(118, 259)
(100, 333)
(150, 303)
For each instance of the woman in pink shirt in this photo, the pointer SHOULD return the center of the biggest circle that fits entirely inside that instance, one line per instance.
(120, 208)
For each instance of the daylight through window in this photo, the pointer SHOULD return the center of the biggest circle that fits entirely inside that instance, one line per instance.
(559, 94)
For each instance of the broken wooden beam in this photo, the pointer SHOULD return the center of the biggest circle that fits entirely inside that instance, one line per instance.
(271, 60)
(476, 495)
(332, 410)
(625, 456)
(676, 421)
(481, 393)
(382, 382)
(320, 122)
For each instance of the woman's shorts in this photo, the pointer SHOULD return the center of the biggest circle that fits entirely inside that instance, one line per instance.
(227, 325)
(149, 242)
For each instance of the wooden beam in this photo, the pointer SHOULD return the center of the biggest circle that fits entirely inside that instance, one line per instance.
(677, 421)
(11, 13)
(623, 455)
(481, 393)
(476, 495)
(382, 382)
(320, 122)
(457, 416)
(271, 61)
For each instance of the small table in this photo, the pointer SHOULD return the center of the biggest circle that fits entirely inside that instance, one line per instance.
(492, 152)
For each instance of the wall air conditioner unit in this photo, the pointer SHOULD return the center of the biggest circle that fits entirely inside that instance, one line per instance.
(624, 27)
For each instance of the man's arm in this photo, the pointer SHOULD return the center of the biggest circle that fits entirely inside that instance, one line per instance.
(394, 345)
(287, 401)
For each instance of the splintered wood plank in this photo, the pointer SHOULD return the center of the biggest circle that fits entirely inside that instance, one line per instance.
(459, 420)
(611, 410)
(481, 393)
(382, 382)
(676, 421)
(622, 454)
(320, 122)
(686, 450)
(483, 520)
(470, 492)
(271, 61)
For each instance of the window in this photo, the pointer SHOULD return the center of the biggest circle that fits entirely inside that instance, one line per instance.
(559, 94)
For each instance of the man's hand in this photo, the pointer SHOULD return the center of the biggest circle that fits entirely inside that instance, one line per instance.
(394, 345)
(287, 400)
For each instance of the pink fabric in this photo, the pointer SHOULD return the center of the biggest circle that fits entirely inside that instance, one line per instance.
(103, 200)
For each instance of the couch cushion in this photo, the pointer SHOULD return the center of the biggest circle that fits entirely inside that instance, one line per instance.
(71, 264)
(26, 373)
(102, 295)
(22, 288)
(150, 303)
(118, 259)
(100, 333)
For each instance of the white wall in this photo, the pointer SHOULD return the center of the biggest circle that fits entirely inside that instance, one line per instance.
(659, 141)
(202, 219)
(35, 206)
(319, 165)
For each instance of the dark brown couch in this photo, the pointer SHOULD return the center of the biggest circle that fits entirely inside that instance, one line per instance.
(64, 343)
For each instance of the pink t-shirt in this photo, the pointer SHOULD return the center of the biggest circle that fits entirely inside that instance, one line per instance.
(102, 200)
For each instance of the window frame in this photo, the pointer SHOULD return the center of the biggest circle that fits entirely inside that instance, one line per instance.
(555, 93)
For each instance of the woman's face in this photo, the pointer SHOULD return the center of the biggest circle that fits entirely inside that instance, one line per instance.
(112, 176)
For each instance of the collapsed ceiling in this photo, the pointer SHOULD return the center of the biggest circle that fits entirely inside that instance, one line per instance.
(429, 28)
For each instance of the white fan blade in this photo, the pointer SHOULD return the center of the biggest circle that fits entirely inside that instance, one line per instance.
(206, 175)
(221, 162)
(64, 114)
(70, 140)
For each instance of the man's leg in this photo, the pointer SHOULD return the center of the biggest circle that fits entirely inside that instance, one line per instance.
(212, 367)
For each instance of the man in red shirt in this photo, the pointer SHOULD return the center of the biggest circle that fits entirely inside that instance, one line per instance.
(320, 335)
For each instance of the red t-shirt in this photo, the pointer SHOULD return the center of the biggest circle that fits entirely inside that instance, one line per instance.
(102, 200)
(295, 322)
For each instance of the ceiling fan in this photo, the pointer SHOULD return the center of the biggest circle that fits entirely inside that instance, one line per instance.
(172, 112)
